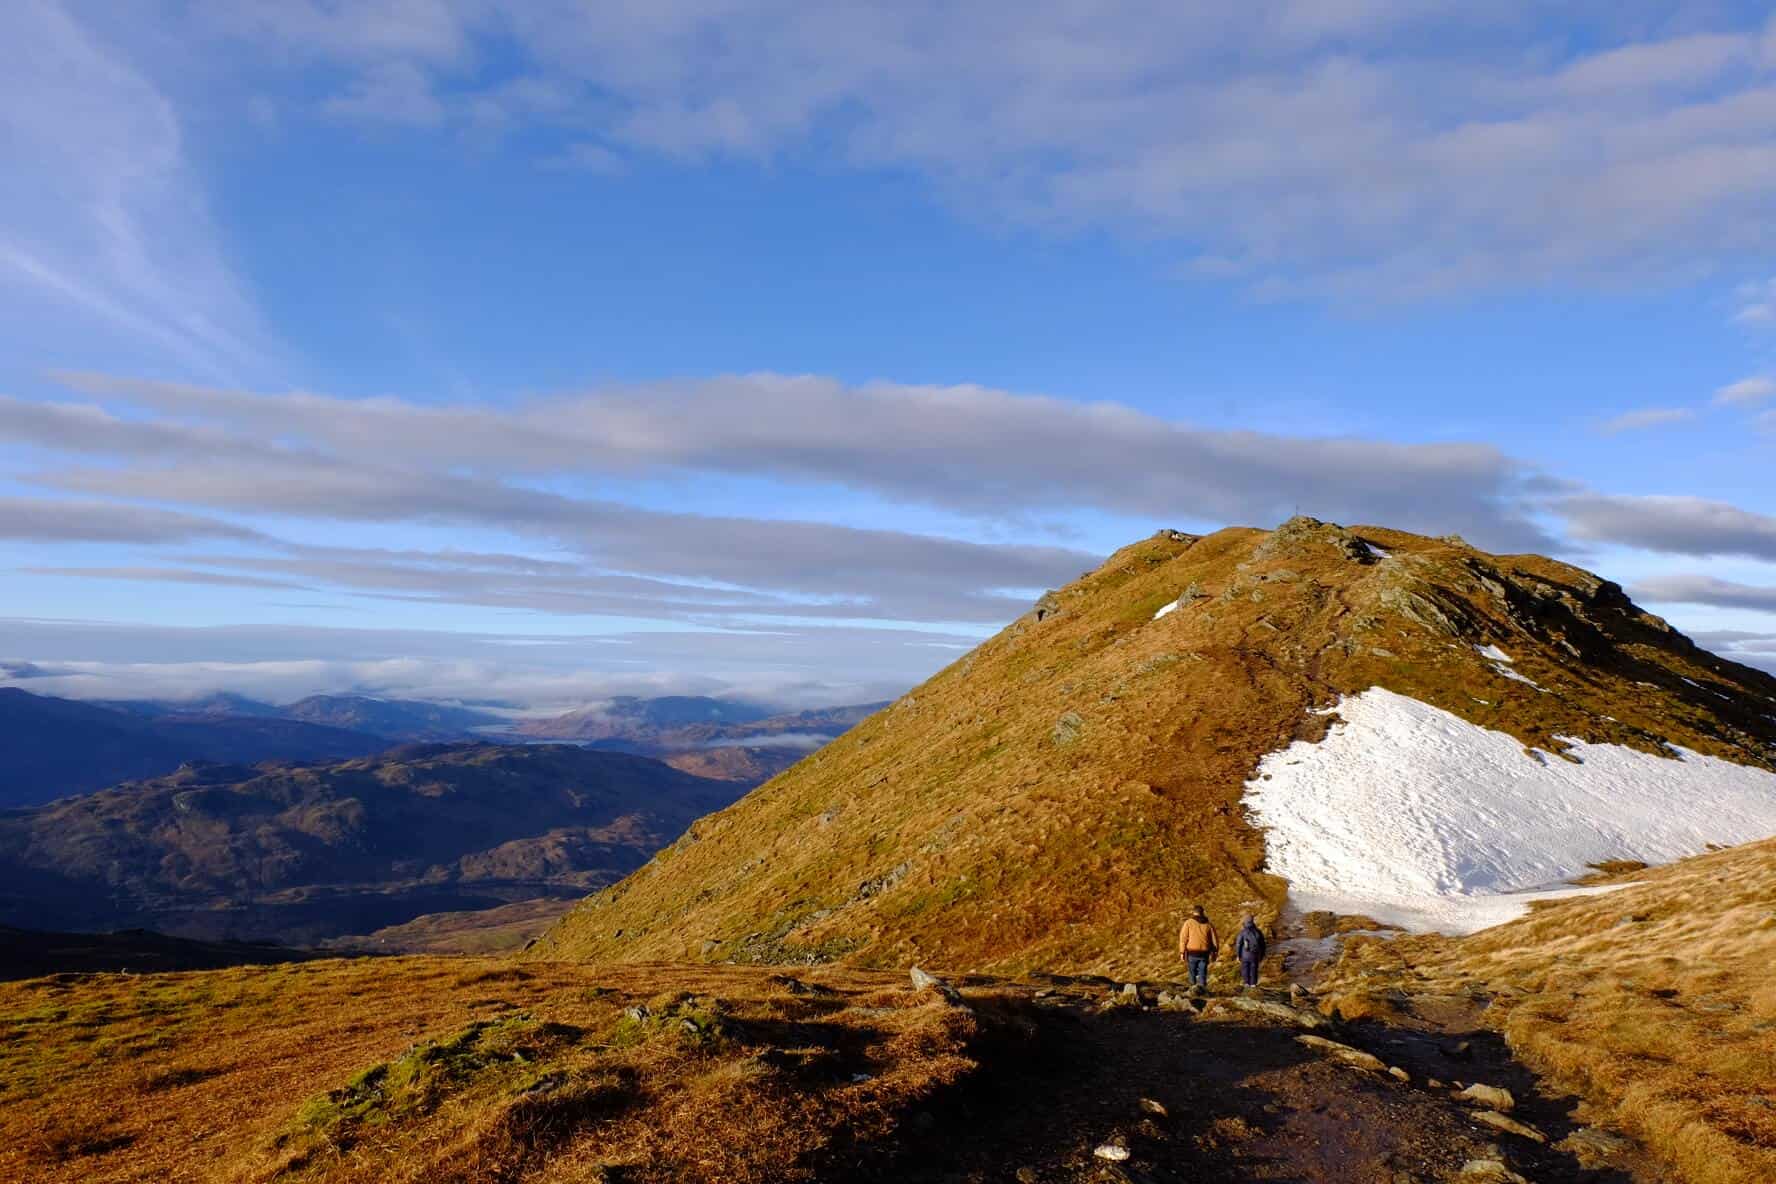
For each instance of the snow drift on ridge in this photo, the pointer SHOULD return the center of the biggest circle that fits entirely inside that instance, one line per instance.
(1410, 815)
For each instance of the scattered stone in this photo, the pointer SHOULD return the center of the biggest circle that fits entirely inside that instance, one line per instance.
(1491, 1096)
(882, 883)
(1114, 1152)
(1398, 1073)
(1343, 1053)
(924, 980)
(1457, 1050)
(1153, 1107)
(1433, 1083)
(1497, 1121)
(1172, 1001)
(1131, 991)
(1488, 1171)
(1066, 728)
(1282, 1012)
(710, 946)
(1594, 1148)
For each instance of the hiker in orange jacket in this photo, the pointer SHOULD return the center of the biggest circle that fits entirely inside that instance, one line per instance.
(1198, 943)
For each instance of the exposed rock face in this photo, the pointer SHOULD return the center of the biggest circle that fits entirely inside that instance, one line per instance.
(1060, 794)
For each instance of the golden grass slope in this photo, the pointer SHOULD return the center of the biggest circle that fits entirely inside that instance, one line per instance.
(1054, 799)
(461, 1071)
(1656, 1003)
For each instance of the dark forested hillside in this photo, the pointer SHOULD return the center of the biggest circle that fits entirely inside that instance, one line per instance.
(303, 853)
(51, 748)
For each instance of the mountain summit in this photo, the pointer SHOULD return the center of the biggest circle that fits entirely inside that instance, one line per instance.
(1228, 718)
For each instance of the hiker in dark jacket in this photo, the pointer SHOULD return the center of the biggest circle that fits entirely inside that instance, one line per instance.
(1248, 947)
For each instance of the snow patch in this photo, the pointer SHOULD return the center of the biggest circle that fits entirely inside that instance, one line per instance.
(1493, 652)
(1415, 817)
(1515, 677)
(1166, 608)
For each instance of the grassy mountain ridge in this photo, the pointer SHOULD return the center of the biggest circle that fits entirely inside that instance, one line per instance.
(1054, 798)
(302, 853)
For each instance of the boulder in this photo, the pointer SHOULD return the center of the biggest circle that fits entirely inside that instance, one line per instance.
(1488, 1171)
(924, 980)
(1493, 1097)
(1594, 1148)
(1265, 1008)
(1343, 1053)
(1497, 1121)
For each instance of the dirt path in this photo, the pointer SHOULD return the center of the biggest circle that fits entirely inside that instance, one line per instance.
(1238, 1099)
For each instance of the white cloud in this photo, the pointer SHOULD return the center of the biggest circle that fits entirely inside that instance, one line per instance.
(1757, 305)
(113, 228)
(1396, 148)
(1651, 417)
(46, 520)
(1672, 525)
(1708, 590)
(398, 93)
(790, 667)
(968, 449)
(1746, 392)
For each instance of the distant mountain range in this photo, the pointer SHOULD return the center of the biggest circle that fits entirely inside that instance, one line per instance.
(52, 748)
(303, 854)
(397, 719)
(724, 739)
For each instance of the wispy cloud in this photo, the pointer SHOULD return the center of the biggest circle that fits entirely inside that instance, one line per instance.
(47, 520)
(1671, 525)
(1708, 590)
(1305, 146)
(1651, 417)
(967, 449)
(113, 229)
(791, 667)
(1757, 305)
(1747, 392)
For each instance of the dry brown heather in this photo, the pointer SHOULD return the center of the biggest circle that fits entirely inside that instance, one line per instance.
(1656, 1003)
(458, 1070)
(1054, 799)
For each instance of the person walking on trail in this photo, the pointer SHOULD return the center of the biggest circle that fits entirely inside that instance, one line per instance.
(1248, 947)
(1198, 943)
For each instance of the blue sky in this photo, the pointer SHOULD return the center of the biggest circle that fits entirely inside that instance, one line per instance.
(550, 350)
